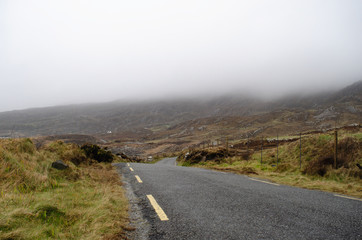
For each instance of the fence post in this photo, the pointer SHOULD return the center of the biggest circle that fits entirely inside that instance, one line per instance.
(277, 149)
(300, 150)
(247, 145)
(261, 152)
(335, 148)
(227, 145)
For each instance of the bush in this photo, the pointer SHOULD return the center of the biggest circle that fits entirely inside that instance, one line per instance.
(97, 153)
(201, 155)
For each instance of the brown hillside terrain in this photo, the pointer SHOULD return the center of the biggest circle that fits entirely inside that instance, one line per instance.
(149, 128)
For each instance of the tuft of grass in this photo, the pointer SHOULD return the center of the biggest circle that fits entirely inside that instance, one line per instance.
(39, 202)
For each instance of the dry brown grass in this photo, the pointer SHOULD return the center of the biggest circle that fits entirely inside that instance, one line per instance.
(39, 202)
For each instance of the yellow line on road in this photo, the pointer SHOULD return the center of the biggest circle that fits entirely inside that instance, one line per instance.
(264, 181)
(131, 169)
(337, 195)
(138, 179)
(161, 214)
(127, 164)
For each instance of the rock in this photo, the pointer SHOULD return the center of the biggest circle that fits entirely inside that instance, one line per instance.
(352, 109)
(60, 165)
(328, 113)
(202, 128)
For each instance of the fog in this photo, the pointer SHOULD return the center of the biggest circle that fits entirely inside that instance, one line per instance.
(63, 52)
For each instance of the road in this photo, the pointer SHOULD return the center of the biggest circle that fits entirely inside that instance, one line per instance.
(205, 204)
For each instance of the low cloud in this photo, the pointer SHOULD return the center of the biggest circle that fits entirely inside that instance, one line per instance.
(88, 51)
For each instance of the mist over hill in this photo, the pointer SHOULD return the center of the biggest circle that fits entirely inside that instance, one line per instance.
(343, 106)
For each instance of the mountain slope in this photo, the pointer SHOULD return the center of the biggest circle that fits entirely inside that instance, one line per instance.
(343, 106)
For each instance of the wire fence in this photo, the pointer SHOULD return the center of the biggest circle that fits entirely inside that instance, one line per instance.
(247, 146)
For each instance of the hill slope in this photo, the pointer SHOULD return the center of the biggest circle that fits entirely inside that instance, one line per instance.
(344, 106)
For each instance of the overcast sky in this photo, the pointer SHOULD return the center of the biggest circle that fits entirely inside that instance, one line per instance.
(61, 52)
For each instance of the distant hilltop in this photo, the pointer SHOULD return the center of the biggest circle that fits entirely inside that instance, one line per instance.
(343, 106)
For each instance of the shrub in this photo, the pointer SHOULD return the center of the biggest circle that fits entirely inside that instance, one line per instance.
(97, 153)
(200, 155)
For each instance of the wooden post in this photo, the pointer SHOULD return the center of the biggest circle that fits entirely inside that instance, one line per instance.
(300, 150)
(227, 145)
(261, 152)
(335, 148)
(247, 145)
(277, 149)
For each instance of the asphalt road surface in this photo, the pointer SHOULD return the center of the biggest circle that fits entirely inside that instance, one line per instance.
(194, 203)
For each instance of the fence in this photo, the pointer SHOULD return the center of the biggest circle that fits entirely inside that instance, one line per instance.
(254, 145)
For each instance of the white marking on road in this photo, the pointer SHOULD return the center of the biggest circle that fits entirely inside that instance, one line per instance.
(337, 195)
(138, 179)
(131, 169)
(127, 164)
(264, 181)
(161, 214)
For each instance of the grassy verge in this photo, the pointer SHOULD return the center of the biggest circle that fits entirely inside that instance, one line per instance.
(316, 171)
(85, 201)
(348, 185)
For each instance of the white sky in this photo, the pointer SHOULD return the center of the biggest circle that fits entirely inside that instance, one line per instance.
(60, 52)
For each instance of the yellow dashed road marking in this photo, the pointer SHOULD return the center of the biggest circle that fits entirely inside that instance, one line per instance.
(127, 164)
(138, 179)
(264, 181)
(161, 214)
(131, 169)
(337, 195)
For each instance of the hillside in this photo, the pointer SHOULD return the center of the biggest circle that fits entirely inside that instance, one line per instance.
(317, 111)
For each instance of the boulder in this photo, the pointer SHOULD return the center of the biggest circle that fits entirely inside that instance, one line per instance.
(60, 165)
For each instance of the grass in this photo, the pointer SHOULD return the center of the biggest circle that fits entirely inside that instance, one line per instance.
(334, 183)
(316, 171)
(39, 202)
(357, 135)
